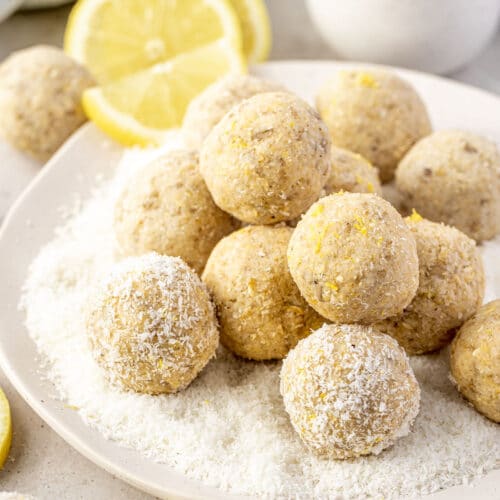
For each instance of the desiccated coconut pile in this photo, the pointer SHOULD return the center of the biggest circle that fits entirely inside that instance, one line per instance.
(229, 429)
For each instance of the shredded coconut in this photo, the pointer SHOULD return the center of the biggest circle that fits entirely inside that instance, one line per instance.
(229, 429)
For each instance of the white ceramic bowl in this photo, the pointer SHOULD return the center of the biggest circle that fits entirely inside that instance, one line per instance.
(437, 36)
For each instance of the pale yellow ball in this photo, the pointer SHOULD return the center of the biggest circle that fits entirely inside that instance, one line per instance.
(166, 208)
(261, 312)
(374, 113)
(268, 159)
(450, 289)
(453, 177)
(475, 360)
(40, 99)
(354, 259)
(151, 324)
(349, 391)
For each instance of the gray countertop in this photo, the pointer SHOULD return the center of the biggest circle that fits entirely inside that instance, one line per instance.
(41, 463)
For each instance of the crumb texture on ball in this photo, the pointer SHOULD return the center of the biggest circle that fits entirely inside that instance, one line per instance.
(453, 177)
(151, 324)
(40, 99)
(349, 391)
(268, 159)
(475, 360)
(354, 259)
(166, 208)
(261, 312)
(450, 289)
(208, 108)
(351, 172)
(374, 113)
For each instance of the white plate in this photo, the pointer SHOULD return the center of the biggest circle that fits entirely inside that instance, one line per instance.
(72, 171)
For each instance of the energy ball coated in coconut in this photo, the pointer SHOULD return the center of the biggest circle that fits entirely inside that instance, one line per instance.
(354, 259)
(208, 108)
(454, 177)
(166, 208)
(261, 312)
(151, 324)
(40, 93)
(351, 172)
(374, 113)
(349, 391)
(450, 290)
(268, 159)
(475, 360)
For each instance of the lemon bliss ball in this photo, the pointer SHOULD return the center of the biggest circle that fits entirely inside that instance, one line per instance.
(351, 172)
(261, 312)
(166, 208)
(209, 107)
(40, 93)
(354, 259)
(268, 159)
(454, 177)
(450, 290)
(374, 113)
(475, 360)
(349, 391)
(151, 325)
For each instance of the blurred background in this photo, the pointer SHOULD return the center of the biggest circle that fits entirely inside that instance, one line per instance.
(459, 38)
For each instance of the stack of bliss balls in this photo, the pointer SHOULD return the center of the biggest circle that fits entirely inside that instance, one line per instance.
(271, 233)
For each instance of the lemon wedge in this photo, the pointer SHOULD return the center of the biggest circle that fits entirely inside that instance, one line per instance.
(114, 38)
(140, 108)
(5, 428)
(255, 27)
(150, 58)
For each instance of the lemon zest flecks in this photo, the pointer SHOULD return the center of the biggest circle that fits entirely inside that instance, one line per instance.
(367, 80)
(317, 210)
(238, 142)
(252, 284)
(332, 286)
(415, 216)
(320, 239)
(360, 226)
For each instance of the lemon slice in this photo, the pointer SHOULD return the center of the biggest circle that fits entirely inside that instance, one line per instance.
(255, 27)
(140, 108)
(150, 58)
(114, 38)
(5, 428)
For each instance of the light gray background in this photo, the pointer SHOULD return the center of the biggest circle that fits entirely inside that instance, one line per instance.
(41, 463)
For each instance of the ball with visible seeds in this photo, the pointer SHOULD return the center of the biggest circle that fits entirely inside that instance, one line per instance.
(374, 113)
(268, 159)
(151, 324)
(454, 177)
(450, 290)
(261, 312)
(349, 391)
(208, 108)
(351, 172)
(475, 360)
(166, 208)
(40, 93)
(354, 259)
